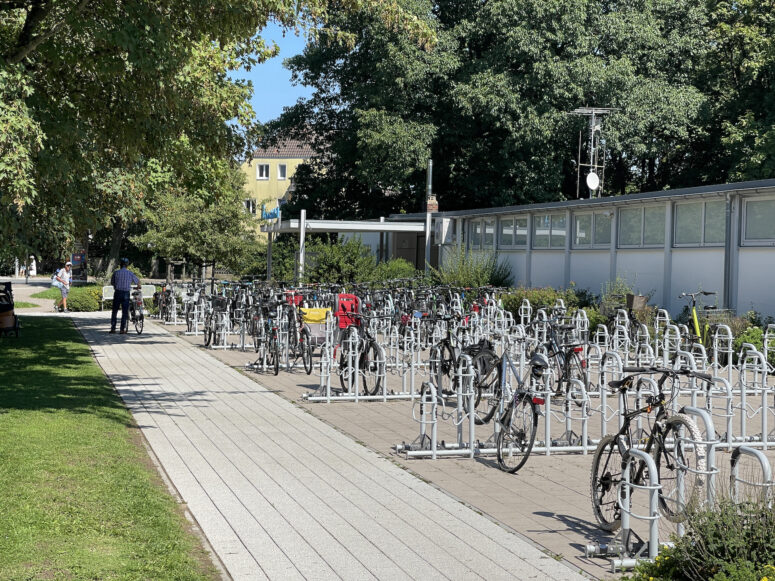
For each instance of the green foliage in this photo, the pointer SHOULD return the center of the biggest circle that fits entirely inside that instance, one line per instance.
(732, 542)
(80, 298)
(341, 263)
(393, 269)
(473, 269)
(613, 294)
(79, 498)
(545, 297)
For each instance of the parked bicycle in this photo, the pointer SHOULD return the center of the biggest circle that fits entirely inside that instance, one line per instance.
(672, 440)
(137, 310)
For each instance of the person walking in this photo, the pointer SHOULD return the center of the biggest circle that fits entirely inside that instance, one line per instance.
(122, 281)
(62, 280)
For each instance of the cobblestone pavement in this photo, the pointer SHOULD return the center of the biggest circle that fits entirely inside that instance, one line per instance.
(282, 495)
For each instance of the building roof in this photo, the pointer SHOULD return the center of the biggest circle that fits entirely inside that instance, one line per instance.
(285, 149)
(718, 189)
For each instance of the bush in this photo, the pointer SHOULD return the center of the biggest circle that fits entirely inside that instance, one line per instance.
(730, 542)
(393, 269)
(81, 298)
(340, 263)
(475, 269)
(539, 298)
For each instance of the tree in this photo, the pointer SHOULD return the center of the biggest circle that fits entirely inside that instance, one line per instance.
(490, 102)
(92, 90)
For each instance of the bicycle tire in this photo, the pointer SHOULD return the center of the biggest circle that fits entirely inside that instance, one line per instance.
(486, 367)
(684, 462)
(443, 368)
(274, 356)
(208, 336)
(139, 323)
(606, 474)
(305, 344)
(369, 369)
(189, 319)
(573, 370)
(518, 434)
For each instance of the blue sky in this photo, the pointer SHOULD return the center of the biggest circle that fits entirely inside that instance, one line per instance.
(272, 88)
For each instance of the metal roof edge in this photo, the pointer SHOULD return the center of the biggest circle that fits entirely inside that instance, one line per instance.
(593, 202)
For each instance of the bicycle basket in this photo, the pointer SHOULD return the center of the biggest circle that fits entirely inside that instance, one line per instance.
(220, 303)
(636, 302)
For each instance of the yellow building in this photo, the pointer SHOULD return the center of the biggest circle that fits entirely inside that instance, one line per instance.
(270, 175)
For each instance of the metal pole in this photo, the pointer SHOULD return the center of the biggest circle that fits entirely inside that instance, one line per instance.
(269, 256)
(427, 241)
(381, 253)
(302, 231)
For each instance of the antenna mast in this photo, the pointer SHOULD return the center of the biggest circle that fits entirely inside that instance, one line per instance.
(595, 166)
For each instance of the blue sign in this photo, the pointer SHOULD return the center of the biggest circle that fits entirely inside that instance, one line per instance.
(271, 214)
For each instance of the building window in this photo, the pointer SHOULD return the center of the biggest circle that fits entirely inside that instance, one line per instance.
(488, 241)
(700, 223)
(520, 231)
(759, 221)
(262, 171)
(476, 235)
(250, 206)
(506, 232)
(512, 232)
(549, 231)
(642, 226)
(592, 230)
(281, 171)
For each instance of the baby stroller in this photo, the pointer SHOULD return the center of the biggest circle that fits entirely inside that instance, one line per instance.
(9, 321)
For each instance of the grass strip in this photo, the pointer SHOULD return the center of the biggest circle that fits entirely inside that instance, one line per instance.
(25, 305)
(79, 498)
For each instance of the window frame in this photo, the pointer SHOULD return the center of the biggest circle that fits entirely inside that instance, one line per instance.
(499, 228)
(701, 243)
(534, 221)
(744, 240)
(593, 245)
(284, 176)
(642, 209)
(259, 172)
(471, 226)
(250, 205)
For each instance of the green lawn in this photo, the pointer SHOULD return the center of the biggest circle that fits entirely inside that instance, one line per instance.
(24, 305)
(78, 496)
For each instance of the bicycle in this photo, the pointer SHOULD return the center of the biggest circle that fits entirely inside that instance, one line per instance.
(136, 312)
(679, 460)
(370, 359)
(519, 421)
(701, 335)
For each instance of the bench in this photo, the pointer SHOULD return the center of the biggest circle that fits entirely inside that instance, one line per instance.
(107, 295)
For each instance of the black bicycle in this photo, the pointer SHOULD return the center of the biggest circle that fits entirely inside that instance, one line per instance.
(679, 460)
(136, 310)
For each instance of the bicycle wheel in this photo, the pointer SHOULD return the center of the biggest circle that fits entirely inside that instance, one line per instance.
(208, 336)
(607, 473)
(305, 344)
(518, 433)
(443, 368)
(139, 323)
(274, 355)
(370, 369)
(486, 386)
(189, 319)
(345, 370)
(572, 372)
(681, 466)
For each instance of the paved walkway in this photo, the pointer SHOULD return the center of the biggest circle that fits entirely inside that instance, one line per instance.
(282, 495)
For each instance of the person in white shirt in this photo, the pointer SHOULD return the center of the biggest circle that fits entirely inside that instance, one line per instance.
(63, 277)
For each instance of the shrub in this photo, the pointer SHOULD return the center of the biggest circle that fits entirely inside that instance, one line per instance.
(539, 298)
(81, 298)
(730, 542)
(393, 269)
(340, 263)
(475, 269)
(595, 318)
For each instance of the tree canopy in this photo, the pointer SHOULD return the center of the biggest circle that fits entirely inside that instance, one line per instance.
(690, 83)
(97, 96)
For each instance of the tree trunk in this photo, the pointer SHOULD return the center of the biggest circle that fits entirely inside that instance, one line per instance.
(155, 267)
(115, 247)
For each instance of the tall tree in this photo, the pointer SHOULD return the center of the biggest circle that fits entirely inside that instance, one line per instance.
(490, 103)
